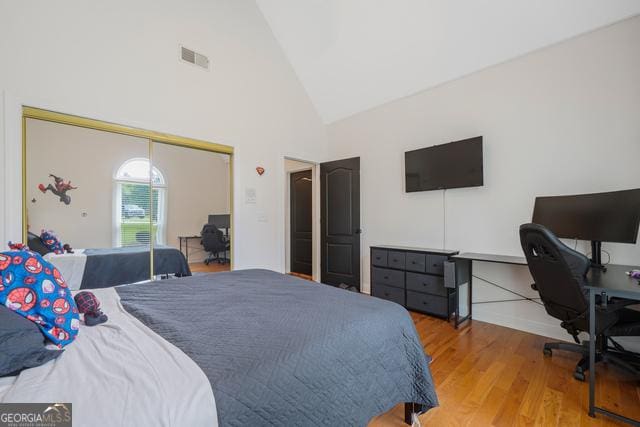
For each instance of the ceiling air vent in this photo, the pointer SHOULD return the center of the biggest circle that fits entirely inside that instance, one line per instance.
(193, 57)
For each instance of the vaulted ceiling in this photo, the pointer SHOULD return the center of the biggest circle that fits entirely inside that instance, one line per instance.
(353, 55)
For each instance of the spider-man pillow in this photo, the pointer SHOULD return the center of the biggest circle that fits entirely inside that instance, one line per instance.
(35, 289)
(51, 241)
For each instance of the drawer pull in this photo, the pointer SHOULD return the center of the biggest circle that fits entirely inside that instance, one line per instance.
(386, 294)
(395, 260)
(386, 277)
(413, 262)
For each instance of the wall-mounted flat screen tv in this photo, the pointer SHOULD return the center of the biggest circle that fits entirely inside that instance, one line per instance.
(454, 165)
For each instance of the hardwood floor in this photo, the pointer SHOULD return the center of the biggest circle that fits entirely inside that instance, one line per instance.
(214, 267)
(488, 375)
(302, 276)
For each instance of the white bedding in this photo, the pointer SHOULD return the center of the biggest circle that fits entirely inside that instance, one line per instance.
(70, 265)
(119, 373)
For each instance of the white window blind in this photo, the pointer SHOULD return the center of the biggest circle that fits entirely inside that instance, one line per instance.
(139, 204)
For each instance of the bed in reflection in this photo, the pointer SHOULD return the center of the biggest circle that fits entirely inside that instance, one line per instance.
(103, 267)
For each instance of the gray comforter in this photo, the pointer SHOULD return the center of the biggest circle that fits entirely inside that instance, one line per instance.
(118, 266)
(284, 351)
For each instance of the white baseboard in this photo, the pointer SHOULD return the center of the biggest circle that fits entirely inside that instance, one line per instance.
(526, 325)
(511, 316)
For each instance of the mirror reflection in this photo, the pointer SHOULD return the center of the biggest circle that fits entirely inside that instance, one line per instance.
(88, 197)
(98, 205)
(192, 200)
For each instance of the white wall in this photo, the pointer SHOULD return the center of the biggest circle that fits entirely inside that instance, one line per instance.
(358, 54)
(562, 120)
(118, 61)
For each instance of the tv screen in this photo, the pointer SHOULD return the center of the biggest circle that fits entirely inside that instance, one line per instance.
(454, 165)
(604, 217)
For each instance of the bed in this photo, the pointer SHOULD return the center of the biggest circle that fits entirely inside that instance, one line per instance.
(119, 374)
(250, 347)
(99, 268)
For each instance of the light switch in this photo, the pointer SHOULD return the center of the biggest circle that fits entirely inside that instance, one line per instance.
(250, 196)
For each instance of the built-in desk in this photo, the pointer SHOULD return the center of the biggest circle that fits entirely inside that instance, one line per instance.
(462, 275)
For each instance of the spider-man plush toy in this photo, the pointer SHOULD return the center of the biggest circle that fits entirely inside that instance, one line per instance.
(89, 305)
(52, 242)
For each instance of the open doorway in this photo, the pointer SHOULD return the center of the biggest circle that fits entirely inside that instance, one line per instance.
(301, 219)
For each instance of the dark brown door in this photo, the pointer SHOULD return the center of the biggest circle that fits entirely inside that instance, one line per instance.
(301, 222)
(340, 222)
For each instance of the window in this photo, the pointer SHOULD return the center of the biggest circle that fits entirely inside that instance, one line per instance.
(139, 204)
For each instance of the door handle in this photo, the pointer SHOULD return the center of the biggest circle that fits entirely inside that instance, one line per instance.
(358, 231)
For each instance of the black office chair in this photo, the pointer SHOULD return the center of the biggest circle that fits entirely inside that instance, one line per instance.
(560, 273)
(214, 242)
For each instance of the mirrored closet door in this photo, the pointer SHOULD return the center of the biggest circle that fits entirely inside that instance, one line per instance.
(109, 207)
(194, 204)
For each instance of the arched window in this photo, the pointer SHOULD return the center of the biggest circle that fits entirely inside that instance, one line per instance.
(139, 204)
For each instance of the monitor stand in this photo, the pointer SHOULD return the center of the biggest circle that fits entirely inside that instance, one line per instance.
(596, 255)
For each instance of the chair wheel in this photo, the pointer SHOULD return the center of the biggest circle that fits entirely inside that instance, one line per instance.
(547, 352)
(579, 376)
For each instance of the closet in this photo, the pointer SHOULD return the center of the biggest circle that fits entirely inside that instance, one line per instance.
(104, 188)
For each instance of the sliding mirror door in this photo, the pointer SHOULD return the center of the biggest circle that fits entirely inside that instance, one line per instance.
(129, 205)
(91, 189)
(193, 208)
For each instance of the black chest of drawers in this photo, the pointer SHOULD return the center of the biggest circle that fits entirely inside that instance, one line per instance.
(413, 278)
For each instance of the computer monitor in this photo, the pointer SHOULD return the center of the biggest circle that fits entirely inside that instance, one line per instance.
(599, 217)
(220, 220)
